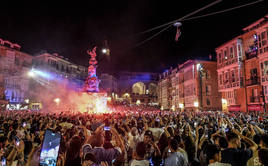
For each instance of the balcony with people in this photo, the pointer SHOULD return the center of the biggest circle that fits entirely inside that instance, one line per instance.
(255, 99)
(252, 52)
(253, 81)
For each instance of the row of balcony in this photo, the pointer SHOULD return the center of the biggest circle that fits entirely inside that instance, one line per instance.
(233, 60)
(249, 82)
(263, 79)
(253, 81)
(231, 85)
(255, 99)
(252, 54)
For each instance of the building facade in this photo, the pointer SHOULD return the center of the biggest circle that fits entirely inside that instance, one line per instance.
(60, 67)
(256, 51)
(137, 87)
(14, 67)
(241, 71)
(189, 87)
(108, 84)
(230, 68)
(163, 90)
(55, 71)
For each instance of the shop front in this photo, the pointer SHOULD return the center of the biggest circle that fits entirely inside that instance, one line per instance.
(255, 107)
(234, 108)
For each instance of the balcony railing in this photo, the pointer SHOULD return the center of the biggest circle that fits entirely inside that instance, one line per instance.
(251, 54)
(229, 62)
(229, 85)
(255, 99)
(253, 81)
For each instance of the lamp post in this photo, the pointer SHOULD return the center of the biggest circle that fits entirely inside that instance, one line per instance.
(200, 74)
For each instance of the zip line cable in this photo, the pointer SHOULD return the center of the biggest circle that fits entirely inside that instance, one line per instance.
(209, 14)
(191, 18)
(182, 18)
(169, 24)
(222, 11)
(144, 41)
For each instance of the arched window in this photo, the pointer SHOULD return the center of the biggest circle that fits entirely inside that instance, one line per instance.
(138, 88)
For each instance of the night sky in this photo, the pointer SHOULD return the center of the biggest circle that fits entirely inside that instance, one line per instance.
(71, 27)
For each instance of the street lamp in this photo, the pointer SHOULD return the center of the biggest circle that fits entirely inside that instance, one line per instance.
(104, 50)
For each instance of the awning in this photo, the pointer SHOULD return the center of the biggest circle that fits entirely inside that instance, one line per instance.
(234, 108)
(254, 107)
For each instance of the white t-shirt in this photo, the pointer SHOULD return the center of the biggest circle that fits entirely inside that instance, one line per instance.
(133, 140)
(139, 163)
(157, 132)
(219, 164)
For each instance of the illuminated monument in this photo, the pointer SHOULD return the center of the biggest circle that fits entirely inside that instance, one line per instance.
(92, 81)
(96, 102)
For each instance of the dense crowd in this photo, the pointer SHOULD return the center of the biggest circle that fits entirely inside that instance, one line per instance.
(136, 136)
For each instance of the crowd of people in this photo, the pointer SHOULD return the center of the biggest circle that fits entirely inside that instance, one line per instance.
(136, 137)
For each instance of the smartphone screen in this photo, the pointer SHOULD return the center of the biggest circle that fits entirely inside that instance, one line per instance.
(106, 128)
(3, 162)
(50, 149)
(17, 140)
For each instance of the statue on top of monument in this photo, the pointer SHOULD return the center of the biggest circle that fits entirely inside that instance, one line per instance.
(92, 53)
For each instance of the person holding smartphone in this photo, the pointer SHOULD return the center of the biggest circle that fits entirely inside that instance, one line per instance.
(101, 154)
(175, 158)
(16, 155)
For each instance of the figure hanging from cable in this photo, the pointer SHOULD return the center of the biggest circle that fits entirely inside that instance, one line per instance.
(178, 33)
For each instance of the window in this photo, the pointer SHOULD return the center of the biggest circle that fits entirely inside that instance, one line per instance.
(255, 92)
(262, 42)
(233, 76)
(207, 74)
(226, 78)
(263, 35)
(225, 54)
(239, 51)
(208, 101)
(253, 73)
(220, 57)
(208, 90)
(231, 52)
